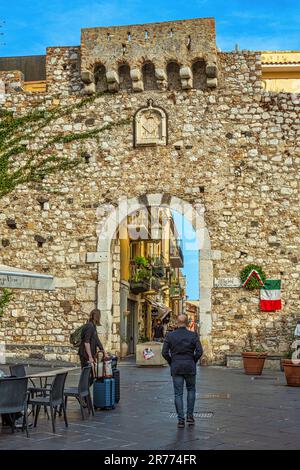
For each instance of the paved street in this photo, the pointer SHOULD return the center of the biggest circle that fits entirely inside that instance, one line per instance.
(233, 411)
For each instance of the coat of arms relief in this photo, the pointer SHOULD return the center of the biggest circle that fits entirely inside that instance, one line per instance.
(150, 126)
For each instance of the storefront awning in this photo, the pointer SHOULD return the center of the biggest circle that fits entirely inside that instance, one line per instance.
(15, 278)
(163, 309)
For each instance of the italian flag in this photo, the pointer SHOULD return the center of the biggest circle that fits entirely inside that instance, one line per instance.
(270, 298)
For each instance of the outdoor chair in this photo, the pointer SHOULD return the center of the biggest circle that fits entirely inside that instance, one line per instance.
(82, 391)
(19, 371)
(13, 399)
(53, 398)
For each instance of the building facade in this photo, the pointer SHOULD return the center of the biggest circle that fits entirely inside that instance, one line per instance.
(152, 286)
(156, 116)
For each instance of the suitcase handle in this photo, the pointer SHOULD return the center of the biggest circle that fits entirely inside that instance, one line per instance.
(97, 376)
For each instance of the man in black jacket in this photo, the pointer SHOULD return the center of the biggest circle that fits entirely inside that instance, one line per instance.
(182, 350)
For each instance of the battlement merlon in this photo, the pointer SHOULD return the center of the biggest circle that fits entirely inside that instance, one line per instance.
(181, 41)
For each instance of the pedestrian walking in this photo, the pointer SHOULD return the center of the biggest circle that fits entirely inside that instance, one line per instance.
(158, 332)
(182, 350)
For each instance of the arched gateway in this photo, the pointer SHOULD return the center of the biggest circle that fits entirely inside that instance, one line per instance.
(114, 123)
(108, 232)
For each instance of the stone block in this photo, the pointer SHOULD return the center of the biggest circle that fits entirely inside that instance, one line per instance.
(89, 89)
(135, 75)
(87, 77)
(160, 74)
(112, 77)
(185, 72)
(138, 86)
(212, 82)
(211, 70)
(97, 257)
(186, 84)
(113, 87)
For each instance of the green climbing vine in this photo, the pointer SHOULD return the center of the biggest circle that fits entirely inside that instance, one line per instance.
(5, 298)
(27, 155)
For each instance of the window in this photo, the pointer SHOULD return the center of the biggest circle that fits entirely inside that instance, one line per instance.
(125, 79)
(149, 78)
(173, 74)
(100, 77)
(199, 75)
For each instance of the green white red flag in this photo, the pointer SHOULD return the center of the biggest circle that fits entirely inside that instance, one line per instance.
(270, 296)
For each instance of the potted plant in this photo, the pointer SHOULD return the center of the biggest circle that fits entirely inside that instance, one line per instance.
(253, 358)
(291, 365)
(287, 355)
(141, 262)
(140, 282)
(141, 274)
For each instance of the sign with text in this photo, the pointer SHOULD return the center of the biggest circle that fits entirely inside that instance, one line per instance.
(224, 282)
(17, 281)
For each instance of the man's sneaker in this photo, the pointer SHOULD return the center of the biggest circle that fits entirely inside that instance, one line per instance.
(190, 420)
(181, 423)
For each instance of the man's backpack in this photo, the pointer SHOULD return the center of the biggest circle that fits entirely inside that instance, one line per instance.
(75, 337)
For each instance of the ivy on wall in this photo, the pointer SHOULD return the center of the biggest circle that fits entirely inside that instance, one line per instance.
(21, 162)
(5, 298)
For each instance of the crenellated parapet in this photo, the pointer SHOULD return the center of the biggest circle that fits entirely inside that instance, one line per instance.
(177, 55)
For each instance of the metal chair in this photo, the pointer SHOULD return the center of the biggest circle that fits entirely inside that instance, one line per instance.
(82, 391)
(54, 398)
(13, 399)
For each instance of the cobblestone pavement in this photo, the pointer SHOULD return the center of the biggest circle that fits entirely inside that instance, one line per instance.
(233, 411)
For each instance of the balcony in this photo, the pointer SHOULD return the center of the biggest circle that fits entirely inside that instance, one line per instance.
(143, 277)
(176, 254)
(175, 291)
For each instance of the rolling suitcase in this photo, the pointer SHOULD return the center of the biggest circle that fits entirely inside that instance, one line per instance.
(104, 394)
(116, 375)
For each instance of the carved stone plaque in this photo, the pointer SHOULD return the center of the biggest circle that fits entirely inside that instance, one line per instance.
(150, 126)
(231, 282)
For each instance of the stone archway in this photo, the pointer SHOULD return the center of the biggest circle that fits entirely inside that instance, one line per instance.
(107, 231)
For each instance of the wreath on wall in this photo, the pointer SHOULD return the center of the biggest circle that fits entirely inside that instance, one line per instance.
(255, 281)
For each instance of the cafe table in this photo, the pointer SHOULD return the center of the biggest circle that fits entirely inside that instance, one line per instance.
(48, 374)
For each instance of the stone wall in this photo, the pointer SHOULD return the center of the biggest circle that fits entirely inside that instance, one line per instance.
(233, 148)
(156, 42)
(63, 70)
(13, 81)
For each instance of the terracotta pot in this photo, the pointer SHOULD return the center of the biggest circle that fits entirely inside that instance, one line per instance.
(292, 372)
(254, 362)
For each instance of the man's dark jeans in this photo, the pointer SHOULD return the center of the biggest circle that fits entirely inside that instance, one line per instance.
(178, 382)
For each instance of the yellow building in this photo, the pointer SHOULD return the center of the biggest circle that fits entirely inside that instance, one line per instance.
(281, 71)
(152, 284)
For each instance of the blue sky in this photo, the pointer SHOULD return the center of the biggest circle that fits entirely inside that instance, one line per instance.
(191, 257)
(30, 26)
